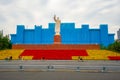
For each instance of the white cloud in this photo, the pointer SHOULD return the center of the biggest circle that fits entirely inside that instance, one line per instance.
(40, 12)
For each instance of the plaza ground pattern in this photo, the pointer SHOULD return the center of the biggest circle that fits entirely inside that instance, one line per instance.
(59, 54)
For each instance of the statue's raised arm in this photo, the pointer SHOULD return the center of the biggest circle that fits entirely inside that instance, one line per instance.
(55, 18)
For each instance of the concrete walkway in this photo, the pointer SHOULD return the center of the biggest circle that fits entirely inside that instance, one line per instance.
(60, 65)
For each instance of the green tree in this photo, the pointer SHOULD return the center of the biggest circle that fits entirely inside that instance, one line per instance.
(115, 46)
(102, 47)
(5, 42)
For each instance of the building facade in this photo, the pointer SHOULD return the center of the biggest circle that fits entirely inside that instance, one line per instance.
(68, 33)
(1, 32)
(118, 34)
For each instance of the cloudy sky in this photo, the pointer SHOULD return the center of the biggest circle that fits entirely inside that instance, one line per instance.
(41, 12)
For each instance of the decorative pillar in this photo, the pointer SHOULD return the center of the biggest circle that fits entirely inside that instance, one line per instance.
(57, 39)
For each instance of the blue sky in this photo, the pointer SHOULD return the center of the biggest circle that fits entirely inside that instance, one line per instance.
(41, 12)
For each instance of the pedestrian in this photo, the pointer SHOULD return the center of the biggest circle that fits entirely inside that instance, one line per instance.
(10, 58)
(80, 59)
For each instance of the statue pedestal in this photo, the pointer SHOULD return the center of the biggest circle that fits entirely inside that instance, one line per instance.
(57, 39)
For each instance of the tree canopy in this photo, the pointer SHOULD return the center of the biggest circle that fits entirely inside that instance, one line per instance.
(5, 42)
(115, 46)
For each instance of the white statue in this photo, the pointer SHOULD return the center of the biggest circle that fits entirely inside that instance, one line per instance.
(57, 25)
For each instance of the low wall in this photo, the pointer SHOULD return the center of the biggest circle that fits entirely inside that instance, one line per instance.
(56, 46)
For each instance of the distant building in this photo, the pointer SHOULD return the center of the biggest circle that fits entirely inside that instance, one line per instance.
(118, 34)
(1, 32)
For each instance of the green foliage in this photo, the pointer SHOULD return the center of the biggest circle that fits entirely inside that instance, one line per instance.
(102, 47)
(115, 46)
(5, 42)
